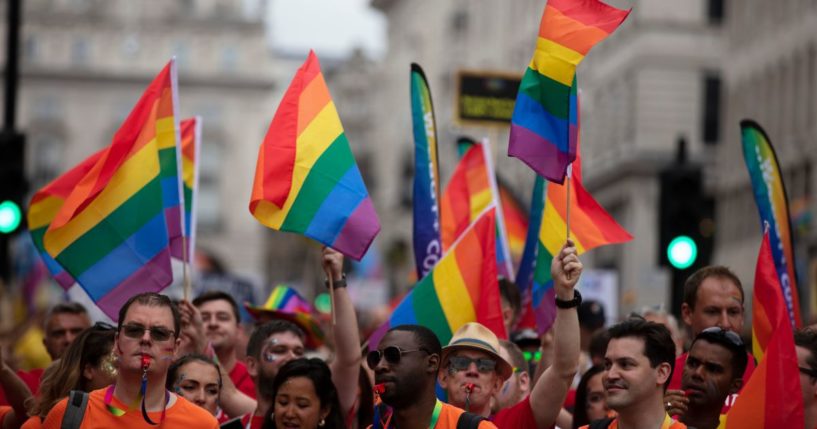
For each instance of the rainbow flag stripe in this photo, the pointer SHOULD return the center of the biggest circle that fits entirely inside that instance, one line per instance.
(111, 232)
(590, 227)
(44, 206)
(461, 288)
(773, 207)
(190, 149)
(516, 221)
(770, 398)
(306, 179)
(543, 126)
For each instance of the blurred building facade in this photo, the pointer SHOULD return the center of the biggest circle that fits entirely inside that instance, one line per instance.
(84, 63)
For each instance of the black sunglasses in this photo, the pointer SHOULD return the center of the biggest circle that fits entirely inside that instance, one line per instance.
(392, 354)
(462, 363)
(729, 335)
(157, 333)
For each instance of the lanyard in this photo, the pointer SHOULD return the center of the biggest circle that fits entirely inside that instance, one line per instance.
(118, 412)
(435, 415)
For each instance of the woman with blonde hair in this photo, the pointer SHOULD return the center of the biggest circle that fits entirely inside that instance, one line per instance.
(87, 365)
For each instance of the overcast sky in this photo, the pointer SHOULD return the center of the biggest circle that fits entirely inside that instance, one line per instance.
(331, 27)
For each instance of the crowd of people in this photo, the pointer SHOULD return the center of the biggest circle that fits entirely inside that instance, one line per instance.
(189, 364)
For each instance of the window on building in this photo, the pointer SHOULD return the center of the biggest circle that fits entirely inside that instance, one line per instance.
(80, 51)
(45, 154)
(229, 59)
(711, 108)
(715, 12)
(208, 211)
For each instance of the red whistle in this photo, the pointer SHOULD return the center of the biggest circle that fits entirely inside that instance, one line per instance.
(145, 361)
(469, 387)
(380, 388)
(688, 392)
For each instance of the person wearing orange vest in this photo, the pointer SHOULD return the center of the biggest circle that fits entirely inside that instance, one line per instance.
(637, 368)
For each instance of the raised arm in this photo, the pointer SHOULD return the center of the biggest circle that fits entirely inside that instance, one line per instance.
(551, 388)
(346, 365)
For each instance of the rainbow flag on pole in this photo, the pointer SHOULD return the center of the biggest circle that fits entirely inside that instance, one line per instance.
(461, 288)
(771, 397)
(471, 190)
(543, 126)
(306, 179)
(44, 206)
(111, 232)
(191, 150)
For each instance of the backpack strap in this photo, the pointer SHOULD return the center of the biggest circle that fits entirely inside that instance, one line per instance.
(75, 409)
(600, 423)
(469, 420)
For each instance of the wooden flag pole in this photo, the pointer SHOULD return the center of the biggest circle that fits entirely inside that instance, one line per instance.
(331, 293)
(567, 206)
(186, 283)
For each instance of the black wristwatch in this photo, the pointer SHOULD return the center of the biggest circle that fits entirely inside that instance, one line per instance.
(577, 299)
(337, 283)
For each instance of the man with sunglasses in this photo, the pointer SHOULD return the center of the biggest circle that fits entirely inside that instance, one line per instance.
(145, 344)
(405, 369)
(473, 371)
(805, 344)
(713, 370)
(713, 296)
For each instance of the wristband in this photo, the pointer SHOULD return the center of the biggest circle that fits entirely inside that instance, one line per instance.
(577, 299)
(337, 283)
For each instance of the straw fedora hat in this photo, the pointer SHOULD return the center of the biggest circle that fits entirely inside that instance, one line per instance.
(474, 336)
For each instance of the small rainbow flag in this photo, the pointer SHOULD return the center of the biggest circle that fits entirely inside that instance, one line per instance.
(543, 126)
(516, 221)
(111, 232)
(471, 190)
(306, 179)
(461, 288)
(286, 303)
(771, 397)
(44, 206)
(190, 148)
(590, 227)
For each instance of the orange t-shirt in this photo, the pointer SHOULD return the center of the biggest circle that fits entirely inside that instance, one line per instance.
(183, 414)
(4, 409)
(33, 422)
(449, 415)
(669, 423)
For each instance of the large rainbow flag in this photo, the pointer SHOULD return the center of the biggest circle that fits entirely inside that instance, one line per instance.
(111, 232)
(590, 227)
(44, 206)
(771, 397)
(190, 149)
(543, 127)
(306, 179)
(773, 207)
(470, 191)
(461, 288)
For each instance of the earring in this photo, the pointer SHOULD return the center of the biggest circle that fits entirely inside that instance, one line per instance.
(322, 422)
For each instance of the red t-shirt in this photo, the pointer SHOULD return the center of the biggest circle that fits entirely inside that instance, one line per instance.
(518, 416)
(680, 361)
(241, 379)
(257, 421)
(30, 378)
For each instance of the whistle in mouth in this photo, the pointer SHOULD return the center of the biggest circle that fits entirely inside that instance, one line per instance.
(469, 387)
(145, 361)
(380, 388)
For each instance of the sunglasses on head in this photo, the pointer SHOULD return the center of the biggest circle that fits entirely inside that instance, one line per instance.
(729, 335)
(462, 363)
(392, 354)
(157, 333)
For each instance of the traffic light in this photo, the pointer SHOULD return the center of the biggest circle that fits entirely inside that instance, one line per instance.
(686, 224)
(13, 184)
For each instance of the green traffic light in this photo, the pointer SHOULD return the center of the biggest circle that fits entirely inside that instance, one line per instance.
(10, 217)
(682, 252)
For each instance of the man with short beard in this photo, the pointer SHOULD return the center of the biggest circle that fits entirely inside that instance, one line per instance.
(713, 369)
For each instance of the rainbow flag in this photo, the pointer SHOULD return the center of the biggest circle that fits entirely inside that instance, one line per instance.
(471, 190)
(543, 126)
(773, 206)
(461, 288)
(190, 149)
(44, 206)
(516, 221)
(112, 231)
(306, 179)
(771, 397)
(590, 227)
(426, 195)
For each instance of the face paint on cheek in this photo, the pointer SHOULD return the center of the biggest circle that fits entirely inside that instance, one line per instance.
(270, 357)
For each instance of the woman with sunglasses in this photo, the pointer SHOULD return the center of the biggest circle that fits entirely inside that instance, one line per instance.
(86, 365)
(196, 378)
(591, 402)
(305, 397)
